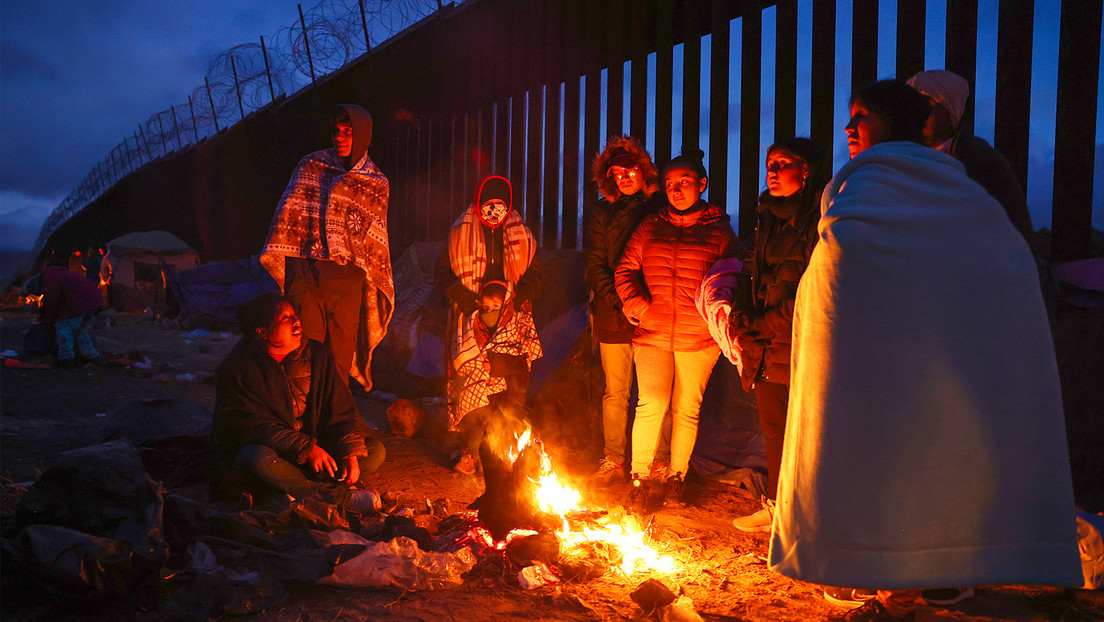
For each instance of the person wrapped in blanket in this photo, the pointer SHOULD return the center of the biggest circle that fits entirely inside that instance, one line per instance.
(491, 274)
(285, 422)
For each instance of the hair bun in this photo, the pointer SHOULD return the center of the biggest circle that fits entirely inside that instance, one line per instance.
(692, 154)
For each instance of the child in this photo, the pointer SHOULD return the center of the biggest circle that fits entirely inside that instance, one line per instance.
(496, 379)
(69, 302)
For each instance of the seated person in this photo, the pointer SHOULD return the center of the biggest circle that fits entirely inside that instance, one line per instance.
(496, 379)
(284, 418)
(69, 304)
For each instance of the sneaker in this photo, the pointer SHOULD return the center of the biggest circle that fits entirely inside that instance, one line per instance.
(849, 596)
(364, 501)
(947, 596)
(609, 471)
(674, 489)
(659, 471)
(758, 521)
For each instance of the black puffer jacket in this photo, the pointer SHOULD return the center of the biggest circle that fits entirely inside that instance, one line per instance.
(608, 228)
(784, 241)
(289, 406)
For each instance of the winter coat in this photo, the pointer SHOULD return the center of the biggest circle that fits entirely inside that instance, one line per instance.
(608, 229)
(67, 294)
(664, 262)
(290, 406)
(784, 240)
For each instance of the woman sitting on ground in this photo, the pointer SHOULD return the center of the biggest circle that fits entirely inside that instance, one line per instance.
(285, 419)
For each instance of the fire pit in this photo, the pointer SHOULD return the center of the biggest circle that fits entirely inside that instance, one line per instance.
(528, 515)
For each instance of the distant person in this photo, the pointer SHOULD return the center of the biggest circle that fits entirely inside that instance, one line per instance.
(925, 441)
(328, 249)
(285, 422)
(785, 236)
(657, 279)
(92, 262)
(488, 243)
(69, 304)
(945, 131)
(629, 184)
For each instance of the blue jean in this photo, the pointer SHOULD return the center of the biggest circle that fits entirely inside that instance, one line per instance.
(73, 332)
(263, 462)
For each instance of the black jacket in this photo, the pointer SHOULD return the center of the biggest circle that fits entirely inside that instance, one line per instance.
(991, 170)
(784, 241)
(528, 287)
(289, 406)
(608, 229)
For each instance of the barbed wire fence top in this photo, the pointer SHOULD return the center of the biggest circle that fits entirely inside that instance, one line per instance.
(245, 78)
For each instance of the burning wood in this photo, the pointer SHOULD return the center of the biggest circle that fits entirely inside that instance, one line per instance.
(524, 503)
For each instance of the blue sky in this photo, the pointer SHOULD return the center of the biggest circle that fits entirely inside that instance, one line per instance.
(79, 75)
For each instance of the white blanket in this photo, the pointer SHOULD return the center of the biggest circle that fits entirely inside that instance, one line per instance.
(925, 442)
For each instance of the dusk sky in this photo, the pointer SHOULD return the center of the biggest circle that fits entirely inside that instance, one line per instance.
(76, 76)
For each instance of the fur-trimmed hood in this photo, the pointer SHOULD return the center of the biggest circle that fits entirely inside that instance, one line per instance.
(615, 146)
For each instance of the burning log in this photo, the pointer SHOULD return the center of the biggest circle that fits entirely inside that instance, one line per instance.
(509, 500)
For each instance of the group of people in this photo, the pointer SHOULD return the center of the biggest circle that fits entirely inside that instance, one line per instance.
(889, 322)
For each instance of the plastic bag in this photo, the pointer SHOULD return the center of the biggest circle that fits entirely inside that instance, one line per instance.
(398, 563)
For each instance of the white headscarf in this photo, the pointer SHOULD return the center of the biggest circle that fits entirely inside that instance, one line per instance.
(946, 88)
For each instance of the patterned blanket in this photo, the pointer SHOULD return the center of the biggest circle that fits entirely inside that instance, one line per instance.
(332, 214)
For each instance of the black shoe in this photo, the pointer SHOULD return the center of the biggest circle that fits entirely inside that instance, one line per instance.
(638, 492)
(674, 490)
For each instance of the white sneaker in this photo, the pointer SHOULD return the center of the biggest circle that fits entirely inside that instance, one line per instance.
(364, 501)
(759, 521)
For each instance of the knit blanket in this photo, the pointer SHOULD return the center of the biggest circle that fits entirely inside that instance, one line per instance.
(468, 258)
(925, 443)
(329, 213)
(515, 335)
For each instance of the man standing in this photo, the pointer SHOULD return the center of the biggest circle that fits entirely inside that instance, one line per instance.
(327, 246)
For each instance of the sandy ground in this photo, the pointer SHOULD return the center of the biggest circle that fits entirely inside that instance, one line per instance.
(45, 412)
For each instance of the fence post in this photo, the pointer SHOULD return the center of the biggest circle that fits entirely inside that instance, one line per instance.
(237, 87)
(176, 127)
(161, 126)
(364, 23)
(306, 41)
(149, 153)
(268, 72)
(211, 100)
(195, 130)
(138, 149)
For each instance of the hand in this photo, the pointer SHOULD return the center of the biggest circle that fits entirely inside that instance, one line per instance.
(321, 461)
(350, 470)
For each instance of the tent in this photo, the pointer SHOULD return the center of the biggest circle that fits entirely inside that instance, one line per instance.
(132, 268)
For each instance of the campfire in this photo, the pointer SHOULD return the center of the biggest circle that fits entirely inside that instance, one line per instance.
(527, 513)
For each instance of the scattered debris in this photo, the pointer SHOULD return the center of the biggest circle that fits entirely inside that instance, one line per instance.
(682, 610)
(406, 418)
(537, 575)
(652, 595)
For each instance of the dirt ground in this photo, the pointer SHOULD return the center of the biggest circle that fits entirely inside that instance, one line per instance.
(48, 411)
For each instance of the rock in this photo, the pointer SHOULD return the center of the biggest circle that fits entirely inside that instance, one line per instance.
(406, 418)
(652, 595)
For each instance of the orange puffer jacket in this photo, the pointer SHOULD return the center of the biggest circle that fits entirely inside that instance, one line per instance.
(660, 270)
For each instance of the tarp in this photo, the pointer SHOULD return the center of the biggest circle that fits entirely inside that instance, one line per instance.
(214, 291)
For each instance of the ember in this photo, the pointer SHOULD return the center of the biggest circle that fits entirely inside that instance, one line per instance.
(524, 496)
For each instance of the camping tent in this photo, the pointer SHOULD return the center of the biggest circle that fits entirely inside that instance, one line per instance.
(132, 268)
